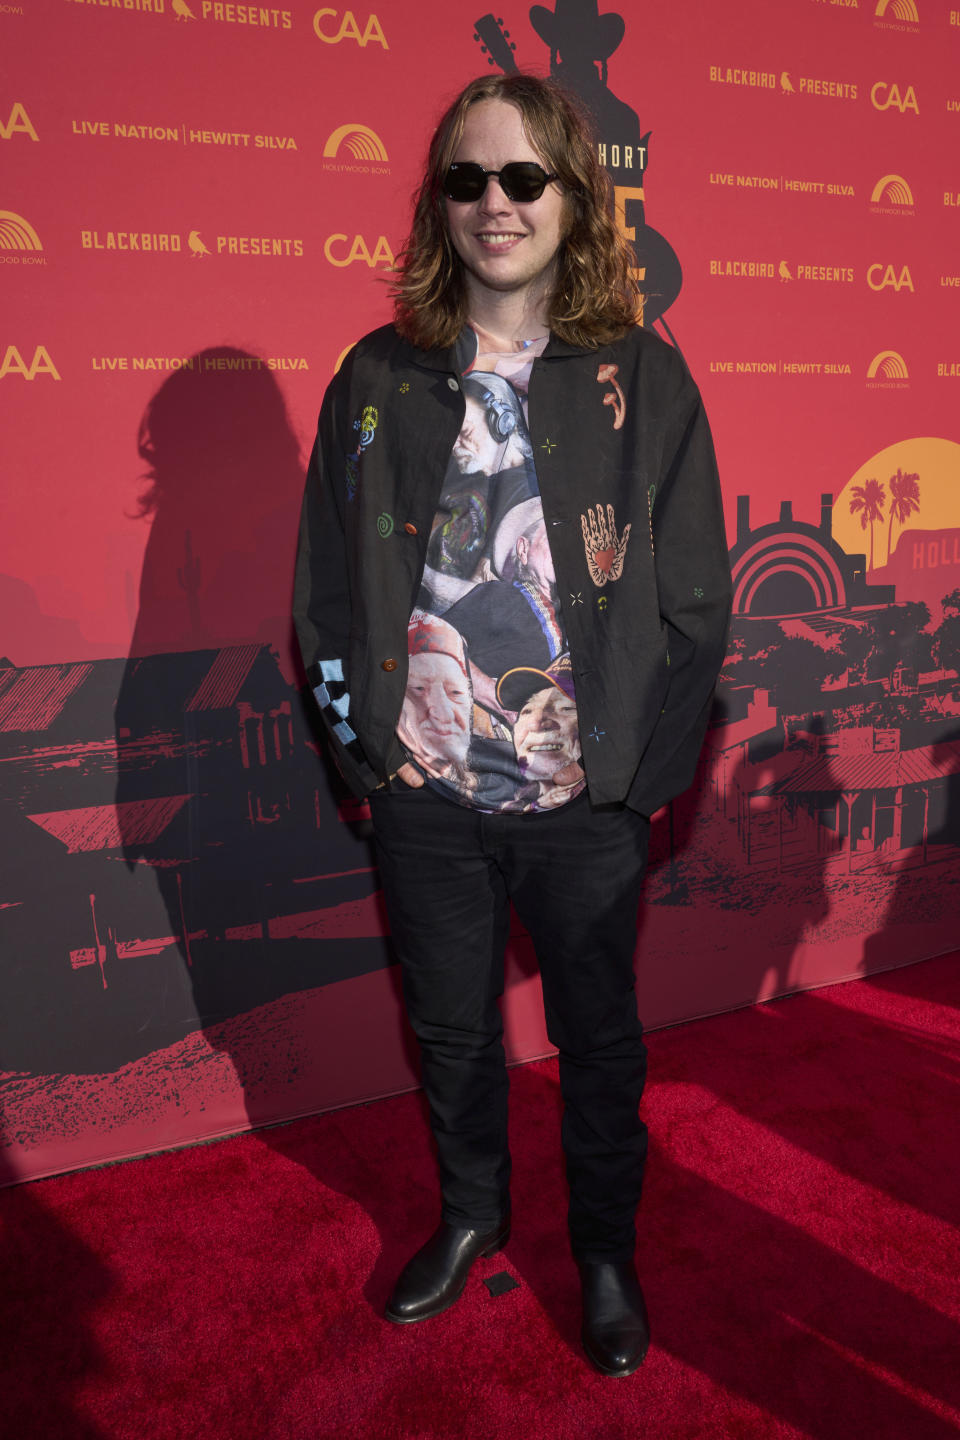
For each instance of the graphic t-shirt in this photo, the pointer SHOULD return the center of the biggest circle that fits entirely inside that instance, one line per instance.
(489, 713)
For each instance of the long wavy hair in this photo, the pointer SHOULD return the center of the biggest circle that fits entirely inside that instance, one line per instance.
(595, 299)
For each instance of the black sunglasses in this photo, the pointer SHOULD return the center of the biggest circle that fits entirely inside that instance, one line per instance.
(521, 181)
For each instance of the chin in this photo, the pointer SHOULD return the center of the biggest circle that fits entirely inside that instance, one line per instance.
(537, 771)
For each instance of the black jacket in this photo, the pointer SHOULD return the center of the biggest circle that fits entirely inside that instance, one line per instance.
(620, 440)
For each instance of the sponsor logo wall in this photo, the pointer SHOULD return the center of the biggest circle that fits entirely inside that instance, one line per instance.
(195, 223)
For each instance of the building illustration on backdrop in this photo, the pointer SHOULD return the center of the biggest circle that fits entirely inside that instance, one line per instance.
(843, 729)
(177, 806)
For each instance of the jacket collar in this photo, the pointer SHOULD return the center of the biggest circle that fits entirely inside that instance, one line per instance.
(559, 349)
(457, 358)
(453, 359)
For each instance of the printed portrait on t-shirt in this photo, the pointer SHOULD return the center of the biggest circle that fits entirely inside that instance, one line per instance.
(488, 608)
(436, 719)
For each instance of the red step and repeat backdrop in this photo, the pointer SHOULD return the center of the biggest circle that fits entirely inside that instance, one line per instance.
(199, 206)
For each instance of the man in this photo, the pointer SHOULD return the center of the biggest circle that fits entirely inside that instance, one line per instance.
(515, 268)
(546, 733)
(435, 722)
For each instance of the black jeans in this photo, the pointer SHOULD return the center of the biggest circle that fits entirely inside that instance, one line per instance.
(574, 876)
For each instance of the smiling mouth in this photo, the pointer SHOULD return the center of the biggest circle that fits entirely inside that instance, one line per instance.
(545, 745)
(497, 238)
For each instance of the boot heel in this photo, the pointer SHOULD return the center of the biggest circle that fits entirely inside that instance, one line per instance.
(496, 1245)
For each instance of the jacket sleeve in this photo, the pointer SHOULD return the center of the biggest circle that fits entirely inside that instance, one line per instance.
(321, 603)
(693, 583)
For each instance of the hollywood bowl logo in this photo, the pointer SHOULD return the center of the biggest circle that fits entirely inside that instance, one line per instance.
(17, 233)
(888, 371)
(905, 10)
(360, 142)
(892, 195)
(892, 190)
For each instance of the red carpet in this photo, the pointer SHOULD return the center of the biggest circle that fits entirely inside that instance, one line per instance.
(799, 1251)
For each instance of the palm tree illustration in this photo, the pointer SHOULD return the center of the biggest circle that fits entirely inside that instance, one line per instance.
(904, 499)
(869, 498)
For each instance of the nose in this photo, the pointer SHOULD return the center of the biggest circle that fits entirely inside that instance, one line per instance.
(438, 703)
(493, 201)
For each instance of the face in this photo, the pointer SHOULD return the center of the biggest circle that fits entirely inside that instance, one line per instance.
(476, 449)
(545, 734)
(534, 555)
(504, 245)
(437, 708)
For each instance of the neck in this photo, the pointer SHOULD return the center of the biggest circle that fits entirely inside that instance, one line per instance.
(510, 316)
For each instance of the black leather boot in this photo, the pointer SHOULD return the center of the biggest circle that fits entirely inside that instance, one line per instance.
(616, 1332)
(437, 1274)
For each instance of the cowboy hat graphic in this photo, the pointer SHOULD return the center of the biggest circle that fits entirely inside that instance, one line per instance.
(578, 25)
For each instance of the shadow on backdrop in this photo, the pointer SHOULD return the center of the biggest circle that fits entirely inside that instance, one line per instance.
(244, 877)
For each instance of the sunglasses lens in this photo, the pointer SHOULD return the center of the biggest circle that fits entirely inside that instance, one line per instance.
(464, 182)
(522, 181)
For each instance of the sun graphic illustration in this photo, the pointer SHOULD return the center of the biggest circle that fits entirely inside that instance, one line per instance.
(932, 502)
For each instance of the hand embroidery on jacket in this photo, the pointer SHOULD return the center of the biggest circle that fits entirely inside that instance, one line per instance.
(604, 549)
(606, 376)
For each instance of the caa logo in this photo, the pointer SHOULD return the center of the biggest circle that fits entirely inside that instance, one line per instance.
(888, 365)
(884, 95)
(359, 250)
(332, 31)
(17, 233)
(362, 143)
(882, 277)
(899, 9)
(18, 124)
(893, 190)
(13, 363)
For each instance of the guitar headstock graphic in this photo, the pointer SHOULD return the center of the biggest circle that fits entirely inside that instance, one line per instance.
(495, 42)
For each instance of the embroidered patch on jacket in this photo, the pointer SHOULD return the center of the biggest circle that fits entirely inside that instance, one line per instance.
(605, 549)
(367, 425)
(606, 375)
(334, 700)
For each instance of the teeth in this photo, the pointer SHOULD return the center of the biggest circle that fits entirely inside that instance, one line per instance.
(497, 239)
